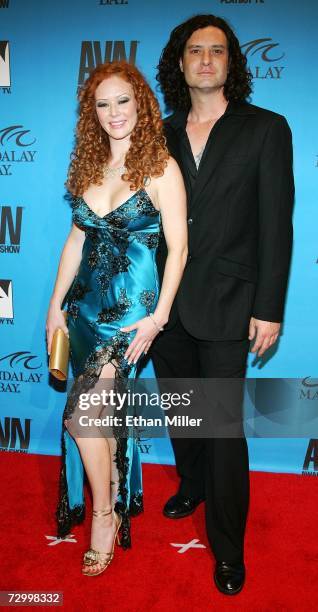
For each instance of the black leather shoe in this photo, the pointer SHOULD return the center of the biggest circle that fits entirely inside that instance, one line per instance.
(229, 578)
(179, 506)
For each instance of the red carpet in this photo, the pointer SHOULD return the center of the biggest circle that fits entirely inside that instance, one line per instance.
(281, 547)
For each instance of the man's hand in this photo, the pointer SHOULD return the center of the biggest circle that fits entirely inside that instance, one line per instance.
(265, 334)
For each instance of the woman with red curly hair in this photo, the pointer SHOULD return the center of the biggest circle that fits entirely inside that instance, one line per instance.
(125, 191)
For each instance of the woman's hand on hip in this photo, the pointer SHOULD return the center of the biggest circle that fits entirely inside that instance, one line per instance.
(147, 330)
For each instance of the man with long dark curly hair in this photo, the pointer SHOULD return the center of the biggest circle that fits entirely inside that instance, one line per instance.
(236, 160)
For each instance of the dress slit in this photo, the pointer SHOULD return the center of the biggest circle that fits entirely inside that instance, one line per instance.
(128, 501)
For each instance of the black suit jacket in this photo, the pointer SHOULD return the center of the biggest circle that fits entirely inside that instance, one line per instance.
(239, 221)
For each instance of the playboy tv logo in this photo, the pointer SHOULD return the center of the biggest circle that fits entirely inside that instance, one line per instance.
(242, 1)
(111, 2)
(263, 50)
(10, 229)
(5, 79)
(93, 53)
(6, 299)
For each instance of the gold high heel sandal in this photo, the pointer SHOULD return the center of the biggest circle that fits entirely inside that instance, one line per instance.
(94, 557)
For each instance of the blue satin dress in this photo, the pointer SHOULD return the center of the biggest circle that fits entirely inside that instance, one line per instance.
(116, 285)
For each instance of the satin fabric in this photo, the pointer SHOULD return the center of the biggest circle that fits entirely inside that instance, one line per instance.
(116, 285)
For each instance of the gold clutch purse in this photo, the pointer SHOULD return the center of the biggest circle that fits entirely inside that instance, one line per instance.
(60, 350)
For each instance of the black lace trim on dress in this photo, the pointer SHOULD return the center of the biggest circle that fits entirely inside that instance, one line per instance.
(65, 517)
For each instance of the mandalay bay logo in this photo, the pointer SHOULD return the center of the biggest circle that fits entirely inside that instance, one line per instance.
(308, 389)
(15, 148)
(19, 368)
(260, 53)
(144, 445)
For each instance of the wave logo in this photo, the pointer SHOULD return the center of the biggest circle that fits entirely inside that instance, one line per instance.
(266, 50)
(14, 131)
(5, 78)
(23, 357)
(257, 46)
(309, 384)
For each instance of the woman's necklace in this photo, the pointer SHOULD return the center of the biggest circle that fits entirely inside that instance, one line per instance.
(110, 172)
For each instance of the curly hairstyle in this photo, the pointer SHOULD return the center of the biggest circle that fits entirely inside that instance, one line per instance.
(171, 79)
(147, 155)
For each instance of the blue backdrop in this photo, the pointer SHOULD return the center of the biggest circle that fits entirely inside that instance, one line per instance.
(46, 50)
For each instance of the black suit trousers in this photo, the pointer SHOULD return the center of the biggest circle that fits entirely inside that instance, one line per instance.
(215, 469)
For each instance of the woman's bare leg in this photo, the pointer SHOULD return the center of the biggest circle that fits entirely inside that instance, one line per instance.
(97, 460)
